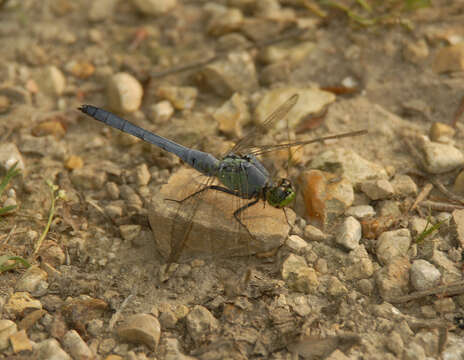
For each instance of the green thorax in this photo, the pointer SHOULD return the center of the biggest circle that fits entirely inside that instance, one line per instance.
(246, 176)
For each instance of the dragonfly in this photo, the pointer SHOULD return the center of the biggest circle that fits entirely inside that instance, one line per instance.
(239, 171)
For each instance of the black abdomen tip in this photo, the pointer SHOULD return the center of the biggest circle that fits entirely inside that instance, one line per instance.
(87, 109)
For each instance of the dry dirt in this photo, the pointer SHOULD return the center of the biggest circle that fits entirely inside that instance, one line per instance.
(90, 249)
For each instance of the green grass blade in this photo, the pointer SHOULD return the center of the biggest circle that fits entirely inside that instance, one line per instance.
(365, 5)
(428, 230)
(416, 4)
(7, 209)
(17, 261)
(12, 172)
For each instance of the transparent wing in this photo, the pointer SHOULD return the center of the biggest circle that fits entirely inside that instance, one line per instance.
(183, 221)
(203, 225)
(246, 143)
(269, 148)
(279, 113)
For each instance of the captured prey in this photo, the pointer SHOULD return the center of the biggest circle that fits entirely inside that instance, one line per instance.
(239, 172)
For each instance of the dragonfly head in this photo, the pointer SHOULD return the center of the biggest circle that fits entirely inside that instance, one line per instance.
(280, 195)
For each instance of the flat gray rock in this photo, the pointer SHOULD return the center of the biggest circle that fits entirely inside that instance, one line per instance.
(214, 231)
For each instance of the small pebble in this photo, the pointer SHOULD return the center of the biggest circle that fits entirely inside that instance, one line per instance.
(7, 328)
(10, 155)
(275, 72)
(362, 269)
(142, 175)
(414, 351)
(441, 158)
(31, 319)
(424, 275)
(144, 191)
(196, 263)
(52, 81)
(88, 178)
(50, 349)
(112, 190)
(458, 186)
(450, 58)
(74, 162)
(133, 200)
(20, 342)
(235, 73)
(161, 112)
(4, 104)
(171, 349)
(298, 275)
(312, 233)
(114, 211)
(349, 234)
(418, 225)
(101, 10)
(124, 93)
(232, 115)
(440, 130)
(321, 266)
(225, 21)
(296, 244)
(19, 303)
(360, 211)
(299, 304)
(51, 302)
(168, 319)
(154, 7)
(49, 127)
(43, 146)
(293, 54)
(393, 279)
(445, 305)
(377, 189)
(388, 208)
(404, 186)
(52, 253)
(310, 256)
(81, 69)
(393, 244)
(106, 345)
(77, 347)
(414, 107)
(141, 329)
(95, 327)
(325, 197)
(395, 344)
(335, 287)
(365, 286)
(310, 101)
(130, 232)
(458, 223)
(201, 323)
(31, 279)
(355, 168)
(181, 97)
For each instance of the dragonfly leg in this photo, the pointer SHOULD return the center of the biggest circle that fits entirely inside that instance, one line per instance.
(244, 207)
(211, 187)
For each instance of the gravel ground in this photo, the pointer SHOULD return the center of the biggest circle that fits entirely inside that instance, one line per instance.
(366, 264)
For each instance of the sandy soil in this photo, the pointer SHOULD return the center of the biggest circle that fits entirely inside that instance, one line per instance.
(100, 245)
